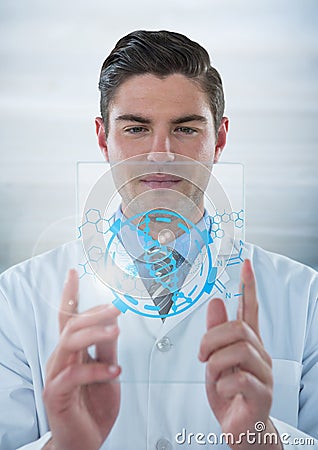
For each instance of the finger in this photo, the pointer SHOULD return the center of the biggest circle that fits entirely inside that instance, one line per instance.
(68, 349)
(69, 301)
(229, 333)
(246, 384)
(77, 375)
(242, 355)
(250, 307)
(72, 343)
(86, 337)
(241, 304)
(76, 339)
(216, 313)
(99, 315)
(107, 351)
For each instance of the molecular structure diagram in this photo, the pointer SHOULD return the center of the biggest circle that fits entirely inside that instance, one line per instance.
(94, 219)
(218, 218)
(95, 254)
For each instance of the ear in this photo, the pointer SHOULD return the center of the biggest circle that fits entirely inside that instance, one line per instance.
(221, 138)
(101, 136)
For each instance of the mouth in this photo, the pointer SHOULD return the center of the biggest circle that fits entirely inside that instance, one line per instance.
(158, 181)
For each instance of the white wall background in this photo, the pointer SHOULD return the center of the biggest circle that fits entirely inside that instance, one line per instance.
(51, 52)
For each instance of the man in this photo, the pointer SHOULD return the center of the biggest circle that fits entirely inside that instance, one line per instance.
(162, 100)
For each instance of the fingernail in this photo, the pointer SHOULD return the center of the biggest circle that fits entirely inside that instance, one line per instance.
(112, 369)
(68, 275)
(109, 307)
(110, 328)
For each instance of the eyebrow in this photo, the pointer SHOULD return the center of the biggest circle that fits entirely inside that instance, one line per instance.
(133, 118)
(145, 120)
(190, 118)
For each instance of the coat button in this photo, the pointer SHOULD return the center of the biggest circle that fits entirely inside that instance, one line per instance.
(164, 345)
(163, 444)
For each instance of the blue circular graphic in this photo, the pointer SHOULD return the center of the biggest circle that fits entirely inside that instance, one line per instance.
(182, 298)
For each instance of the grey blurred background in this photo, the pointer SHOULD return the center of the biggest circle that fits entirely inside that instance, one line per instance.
(51, 53)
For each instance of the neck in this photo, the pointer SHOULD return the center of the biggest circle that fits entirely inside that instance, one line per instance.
(162, 224)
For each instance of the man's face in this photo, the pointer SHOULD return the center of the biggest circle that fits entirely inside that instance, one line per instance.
(161, 121)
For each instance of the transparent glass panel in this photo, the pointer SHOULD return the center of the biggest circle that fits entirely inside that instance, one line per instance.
(158, 241)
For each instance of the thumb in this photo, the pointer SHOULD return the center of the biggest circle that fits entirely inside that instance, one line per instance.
(216, 314)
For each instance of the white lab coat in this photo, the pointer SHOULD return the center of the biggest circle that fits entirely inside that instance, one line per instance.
(163, 392)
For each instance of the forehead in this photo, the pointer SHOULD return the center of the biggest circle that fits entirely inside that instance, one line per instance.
(148, 94)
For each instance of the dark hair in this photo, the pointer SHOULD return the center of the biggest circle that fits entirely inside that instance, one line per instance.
(160, 53)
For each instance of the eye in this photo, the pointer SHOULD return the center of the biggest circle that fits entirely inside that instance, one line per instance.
(186, 130)
(135, 130)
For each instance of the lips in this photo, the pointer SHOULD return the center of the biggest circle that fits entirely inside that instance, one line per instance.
(160, 181)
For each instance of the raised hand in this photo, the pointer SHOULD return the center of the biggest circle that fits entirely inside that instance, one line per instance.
(239, 380)
(82, 394)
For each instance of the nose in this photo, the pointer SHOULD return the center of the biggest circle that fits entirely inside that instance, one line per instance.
(161, 150)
